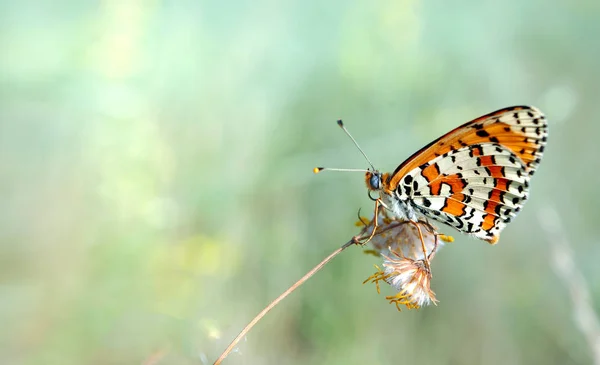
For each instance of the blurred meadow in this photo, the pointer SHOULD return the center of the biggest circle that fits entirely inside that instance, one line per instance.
(157, 190)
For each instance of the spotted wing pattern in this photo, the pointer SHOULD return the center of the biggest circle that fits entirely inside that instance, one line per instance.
(476, 177)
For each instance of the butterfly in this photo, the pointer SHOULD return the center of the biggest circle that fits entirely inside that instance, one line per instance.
(474, 178)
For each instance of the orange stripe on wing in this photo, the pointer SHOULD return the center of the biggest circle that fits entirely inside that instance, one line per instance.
(487, 161)
(496, 171)
(430, 172)
(488, 222)
(477, 151)
(455, 207)
(456, 184)
(490, 206)
(502, 184)
(498, 192)
(490, 163)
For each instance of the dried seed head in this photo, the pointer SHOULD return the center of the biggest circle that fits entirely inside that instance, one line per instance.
(411, 279)
(404, 254)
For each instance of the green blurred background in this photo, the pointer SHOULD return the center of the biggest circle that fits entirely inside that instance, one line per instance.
(157, 189)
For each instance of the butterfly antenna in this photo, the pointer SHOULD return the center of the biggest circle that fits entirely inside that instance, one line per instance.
(341, 124)
(316, 170)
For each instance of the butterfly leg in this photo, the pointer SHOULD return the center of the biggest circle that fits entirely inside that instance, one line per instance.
(359, 240)
(425, 256)
(435, 247)
(362, 220)
(432, 229)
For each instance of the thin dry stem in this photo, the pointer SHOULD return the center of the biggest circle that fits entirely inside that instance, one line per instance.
(279, 299)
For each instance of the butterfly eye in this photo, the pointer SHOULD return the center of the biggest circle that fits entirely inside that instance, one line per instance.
(375, 181)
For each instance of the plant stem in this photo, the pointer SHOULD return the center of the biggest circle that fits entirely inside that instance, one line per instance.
(279, 299)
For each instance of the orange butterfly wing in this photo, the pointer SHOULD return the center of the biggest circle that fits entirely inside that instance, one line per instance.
(476, 177)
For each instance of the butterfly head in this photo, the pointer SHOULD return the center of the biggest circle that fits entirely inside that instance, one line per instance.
(375, 180)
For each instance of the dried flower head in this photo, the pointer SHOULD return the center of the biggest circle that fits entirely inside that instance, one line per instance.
(406, 258)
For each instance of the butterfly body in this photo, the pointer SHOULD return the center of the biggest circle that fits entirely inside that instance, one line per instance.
(475, 178)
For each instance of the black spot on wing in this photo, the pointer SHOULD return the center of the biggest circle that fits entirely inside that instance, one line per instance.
(497, 209)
